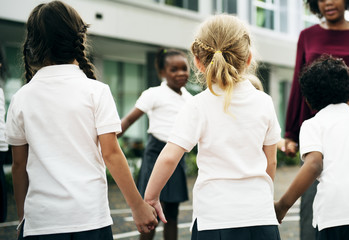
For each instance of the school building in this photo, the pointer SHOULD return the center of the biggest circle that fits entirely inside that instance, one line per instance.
(125, 34)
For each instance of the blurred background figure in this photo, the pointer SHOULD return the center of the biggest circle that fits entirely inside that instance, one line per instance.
(3, 144)
(161, 104)
(330, 36)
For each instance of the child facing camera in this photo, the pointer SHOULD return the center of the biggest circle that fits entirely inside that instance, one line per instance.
(324, 148)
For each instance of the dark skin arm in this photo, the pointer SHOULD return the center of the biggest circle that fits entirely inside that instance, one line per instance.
(306, 176)
(129, 119)
(20, 177)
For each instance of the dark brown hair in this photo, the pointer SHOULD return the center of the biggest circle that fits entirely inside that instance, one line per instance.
(314, 7)
(56, 34)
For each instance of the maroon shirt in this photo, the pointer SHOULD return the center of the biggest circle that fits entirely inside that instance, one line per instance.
(312, 43)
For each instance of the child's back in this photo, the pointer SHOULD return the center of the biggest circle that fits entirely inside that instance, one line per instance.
(324, 148)
(236, 129)
(230, 155)
(62, 126)
(327, 132)
(61, 107)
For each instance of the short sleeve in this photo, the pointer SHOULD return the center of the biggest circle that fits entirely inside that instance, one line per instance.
(187, 128)
(15, 133)
(310, 138)
(145, 102)
(106, 115)
(273, 134)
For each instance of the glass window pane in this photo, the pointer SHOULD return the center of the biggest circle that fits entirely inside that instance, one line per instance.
(265, 18)
(110, 76)
(283, 13)
(232, 6)
(193, 5)
(176, 3)
(133, 86)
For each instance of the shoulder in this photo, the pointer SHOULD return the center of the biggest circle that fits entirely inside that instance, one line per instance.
(310, 32)
(315, 28)
(154, 90)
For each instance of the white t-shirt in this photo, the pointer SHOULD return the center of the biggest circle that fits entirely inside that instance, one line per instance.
(60, 114)
(161, 105)
(232, 188)
(328, 132)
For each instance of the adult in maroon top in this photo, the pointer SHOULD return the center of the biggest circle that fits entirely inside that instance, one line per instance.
(329, 37)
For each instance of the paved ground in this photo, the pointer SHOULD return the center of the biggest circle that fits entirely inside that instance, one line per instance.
(124, 228)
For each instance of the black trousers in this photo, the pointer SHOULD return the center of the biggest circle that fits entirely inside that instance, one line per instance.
(266, 232)
(333, 233)
(104, 233)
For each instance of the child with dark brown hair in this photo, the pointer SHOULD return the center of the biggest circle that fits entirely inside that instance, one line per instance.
(62, 126)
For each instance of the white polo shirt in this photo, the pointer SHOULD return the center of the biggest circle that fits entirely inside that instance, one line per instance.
(232, 188)
(161, 104)
(59, 114)
(328, 132)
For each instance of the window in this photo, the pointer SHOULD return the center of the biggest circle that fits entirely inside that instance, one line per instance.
(126, 82)
(309, 19)
(270, 14)
(224, 6)
(186, 4)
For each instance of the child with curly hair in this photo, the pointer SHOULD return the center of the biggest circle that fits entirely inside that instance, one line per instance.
(324, 145)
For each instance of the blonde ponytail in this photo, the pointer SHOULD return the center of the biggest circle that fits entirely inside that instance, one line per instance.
(222, 46)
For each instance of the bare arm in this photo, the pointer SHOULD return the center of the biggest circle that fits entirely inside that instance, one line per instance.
(129, 119)
(144, 215)
(165, 165)
(270, 153)
(308, 173)
(20, 177)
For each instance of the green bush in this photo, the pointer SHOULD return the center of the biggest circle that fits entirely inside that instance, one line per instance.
(190, 161)
(284, 160)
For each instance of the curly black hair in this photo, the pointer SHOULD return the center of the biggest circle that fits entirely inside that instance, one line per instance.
(314, 7)
(324, 82)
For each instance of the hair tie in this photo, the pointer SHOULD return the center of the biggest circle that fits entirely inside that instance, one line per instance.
(218, 52)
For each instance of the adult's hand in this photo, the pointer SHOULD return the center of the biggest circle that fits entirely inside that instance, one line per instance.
(291, 147)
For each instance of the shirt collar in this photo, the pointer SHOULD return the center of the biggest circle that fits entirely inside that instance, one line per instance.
(164, 85)
(240, 88)
(59, 70)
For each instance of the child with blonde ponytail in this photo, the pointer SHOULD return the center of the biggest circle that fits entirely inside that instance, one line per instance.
(236, 129)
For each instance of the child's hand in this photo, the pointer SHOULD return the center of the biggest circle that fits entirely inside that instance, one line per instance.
(144, 217)
(280, 211)
(157, 205)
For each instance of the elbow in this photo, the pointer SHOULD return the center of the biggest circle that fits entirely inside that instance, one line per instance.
(317, 167)
(315, 161)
